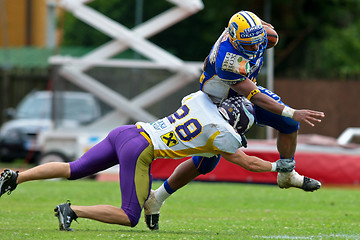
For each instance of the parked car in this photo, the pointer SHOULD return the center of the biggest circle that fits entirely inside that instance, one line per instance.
(34, 114)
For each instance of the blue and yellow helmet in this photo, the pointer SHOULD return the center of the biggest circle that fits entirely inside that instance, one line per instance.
(245, 28)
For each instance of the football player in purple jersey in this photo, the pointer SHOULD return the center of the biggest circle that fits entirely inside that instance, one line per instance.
(198, 128)
(231, 69)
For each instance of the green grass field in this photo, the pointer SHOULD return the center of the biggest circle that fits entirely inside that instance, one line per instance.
(198, 211)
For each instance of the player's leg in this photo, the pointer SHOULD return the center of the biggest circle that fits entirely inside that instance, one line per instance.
(98, 158)
(53, 170)
(135, 154)
(185, 173)
(66, 213)
(135, 158)
(286, 144)
(103, 213)
(9, 179)
(182, 175)
(46, 171)
(127, 148)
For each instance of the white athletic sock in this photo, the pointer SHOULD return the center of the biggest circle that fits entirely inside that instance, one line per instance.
(292, 179)
(161, 194)
(296, 179)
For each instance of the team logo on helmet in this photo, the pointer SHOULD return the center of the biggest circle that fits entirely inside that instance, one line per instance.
(233, 29)
(252, 32)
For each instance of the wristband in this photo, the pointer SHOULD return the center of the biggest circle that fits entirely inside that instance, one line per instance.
(252, 93)
(273, 166)
(288, 112)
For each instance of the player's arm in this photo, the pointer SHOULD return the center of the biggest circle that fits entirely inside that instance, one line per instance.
(256, 164)
(248, 89)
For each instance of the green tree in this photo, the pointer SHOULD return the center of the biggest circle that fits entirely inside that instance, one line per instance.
(317, 38)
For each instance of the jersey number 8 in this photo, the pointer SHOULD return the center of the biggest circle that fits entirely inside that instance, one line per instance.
(189, 129)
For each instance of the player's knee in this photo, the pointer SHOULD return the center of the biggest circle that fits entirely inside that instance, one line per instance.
(290, 125)
(134, 220)
(204, 164)
(134, 216)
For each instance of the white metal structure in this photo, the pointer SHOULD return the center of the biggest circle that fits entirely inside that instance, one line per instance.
(60, 144)
(347, 135)
(124, 38)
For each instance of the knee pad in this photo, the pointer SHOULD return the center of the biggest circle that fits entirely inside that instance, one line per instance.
(286, 125)
(204, 164)
(290, 125)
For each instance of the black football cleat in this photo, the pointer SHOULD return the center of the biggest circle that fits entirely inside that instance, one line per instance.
(288, 180)
(152, 211)
(310, 185)
(152, 221)
(8, 180)
(65, 216)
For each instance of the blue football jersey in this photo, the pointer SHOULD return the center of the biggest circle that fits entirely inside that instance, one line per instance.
(225, 66)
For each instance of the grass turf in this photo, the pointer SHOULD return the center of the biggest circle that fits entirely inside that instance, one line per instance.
(198, 211)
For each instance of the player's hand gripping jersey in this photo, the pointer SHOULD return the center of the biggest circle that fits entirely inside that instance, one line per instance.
(196, 128)
(225, 66)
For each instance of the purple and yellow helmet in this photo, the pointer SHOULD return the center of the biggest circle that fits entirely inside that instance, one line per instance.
(238, 112)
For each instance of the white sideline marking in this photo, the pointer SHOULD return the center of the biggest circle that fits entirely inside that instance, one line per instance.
(347, 236)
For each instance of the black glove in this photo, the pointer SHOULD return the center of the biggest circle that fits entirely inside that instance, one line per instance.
(285, 165)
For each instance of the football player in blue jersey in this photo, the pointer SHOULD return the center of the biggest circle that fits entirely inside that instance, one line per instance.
(230, 69)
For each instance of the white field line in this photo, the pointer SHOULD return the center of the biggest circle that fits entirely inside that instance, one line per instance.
(321, 236)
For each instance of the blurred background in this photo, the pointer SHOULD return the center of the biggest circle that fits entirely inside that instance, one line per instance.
(315, 63)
